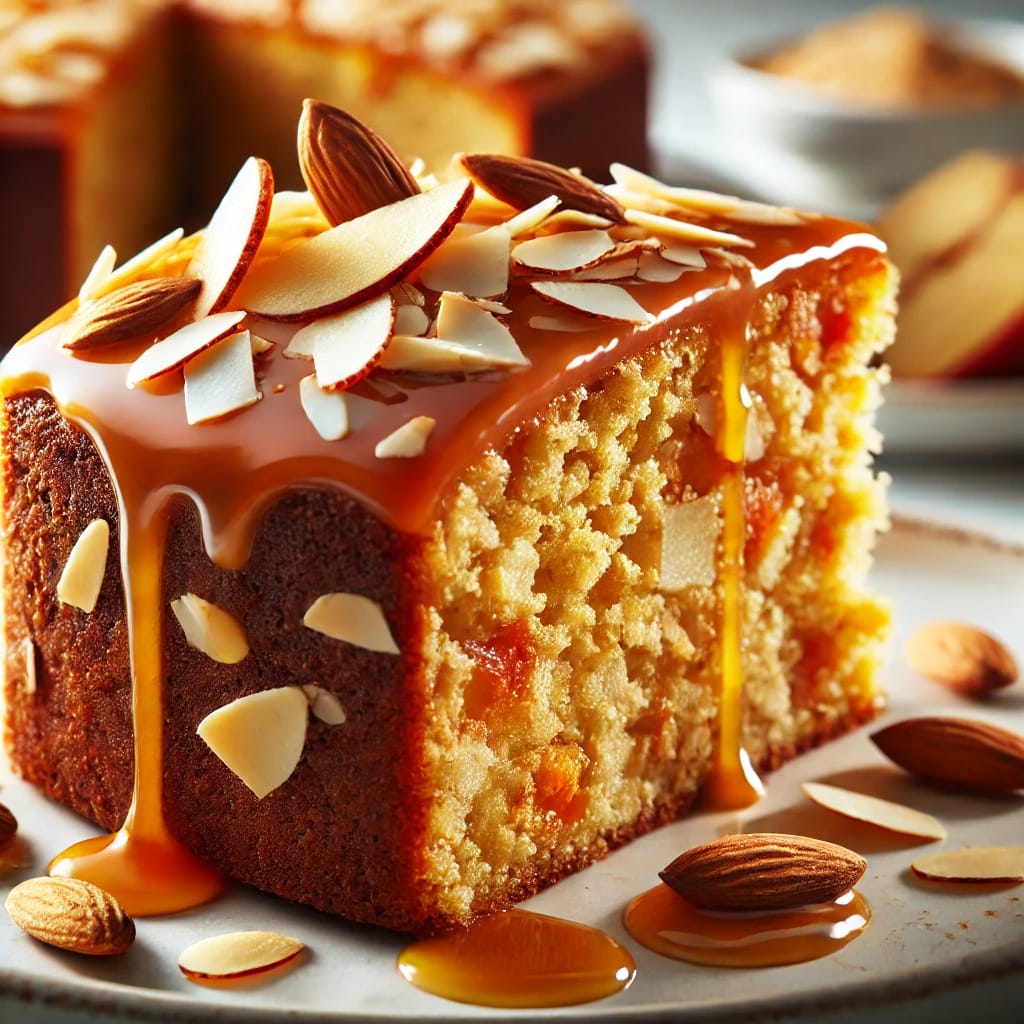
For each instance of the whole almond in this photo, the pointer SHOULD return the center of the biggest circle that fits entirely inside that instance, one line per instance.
(71, 914)
(966, 659)
(763, 871)
(8, 824)
(129, 312)
(348, 168)
(959, 752)
(521, 182)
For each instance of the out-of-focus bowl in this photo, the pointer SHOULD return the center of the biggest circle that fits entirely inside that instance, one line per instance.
(796, 146)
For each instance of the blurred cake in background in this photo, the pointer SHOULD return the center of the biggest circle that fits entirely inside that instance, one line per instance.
(118, 118)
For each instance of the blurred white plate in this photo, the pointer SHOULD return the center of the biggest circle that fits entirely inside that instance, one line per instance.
(982, 417)
(930, 953)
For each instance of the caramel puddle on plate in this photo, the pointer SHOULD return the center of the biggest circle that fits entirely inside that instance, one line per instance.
(663, 921)
(519, 959)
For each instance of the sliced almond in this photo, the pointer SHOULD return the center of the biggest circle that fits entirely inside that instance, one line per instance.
(973, 864)
(966, 659)
(566, 324)
(229, 243)
(178, 348)
(959, 752)
(326, 410)
(683, 231)
(408, 441)
(412, 320)
(416, 354)
(763, 871)
(652, 267)
(467, 323)
(353, 618)
(210, 629)
(324, 704)
(221, 379)
(603, 301)
(349, 169)
(527, 221)
(259, 737)
(238, 954)
(98, 274)
(564, 251)
(82, 578)
(71, 914)
(130, 312)
(8, 824)
(348, 345)
(687, 255)
(875, 811)
(474, 264)
(142, 261)
(689, 544)
(522, 182)
(356, 260)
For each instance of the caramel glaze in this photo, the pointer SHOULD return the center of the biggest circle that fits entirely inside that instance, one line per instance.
(234, 469)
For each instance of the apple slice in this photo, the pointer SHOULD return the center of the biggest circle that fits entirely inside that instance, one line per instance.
(178, 348)
(220, 380)
(474, 264)
(564, 251)
(231, 239)
(347, 346)
(326, 410)
(357, 260)
(602, 301)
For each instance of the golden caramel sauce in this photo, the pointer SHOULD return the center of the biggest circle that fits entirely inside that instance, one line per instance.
(663, 921)
(519, 959)
(235, 468)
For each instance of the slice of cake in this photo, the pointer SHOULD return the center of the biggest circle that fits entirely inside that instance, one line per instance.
(401, 546)
(100, 100)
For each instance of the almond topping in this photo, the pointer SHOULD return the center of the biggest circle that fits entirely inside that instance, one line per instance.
(601, 301)
(966, 659)
(324, 704)
(8, 824)
(522, 182)
(178, 348)
(98, 275)
(682, 231)
(259, 737)
(763, 871)
(973, 864)
(959, 752)
(352, 618)
(566, 250)
(71, 914)
(875, 811)
(475, 264)
(349, 169)
(142, 261)
(407, 442)
(237, 954)
(129, 312)
(221, 379)
(80, 582)
(326, 410)
(215, 632)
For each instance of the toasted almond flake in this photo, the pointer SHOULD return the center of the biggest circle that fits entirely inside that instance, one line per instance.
(574, 219)
(326, 410)
(142, 262)
(728, 258)
(324, 704)
(229, 243)
(687, 255)
(80, 582)
(178, 348)
(689, 544)
(973, 864)
(622, 268)
(604, 301)
(652, 267)
(347, 346)
(527, 221)
(210, 629)
(220, 380)
(469, 324)
(259, 737)
(98, 274)
(683, 231)
(352, 618)
(408, 441)
(259, 345)
(416, 354)
(474, 264)
(567, 250)
(875, 811)
(236, 954)
(568, 324)
(356, 260)
(412, 320)
(300, 345)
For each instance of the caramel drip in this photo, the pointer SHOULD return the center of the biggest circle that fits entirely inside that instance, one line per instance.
(663, 921)
(519, 959)
(237, 467)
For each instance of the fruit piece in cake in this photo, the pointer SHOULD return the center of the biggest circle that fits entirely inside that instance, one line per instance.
(566, 555)
(957, 238)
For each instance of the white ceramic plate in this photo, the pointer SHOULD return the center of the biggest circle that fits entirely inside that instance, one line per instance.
(981, 417)
(927, 950)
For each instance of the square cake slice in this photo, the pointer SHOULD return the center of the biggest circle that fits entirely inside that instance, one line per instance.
(446, 536)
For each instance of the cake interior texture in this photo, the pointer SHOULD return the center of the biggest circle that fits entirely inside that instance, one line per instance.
(121, 120)
(552, 568)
